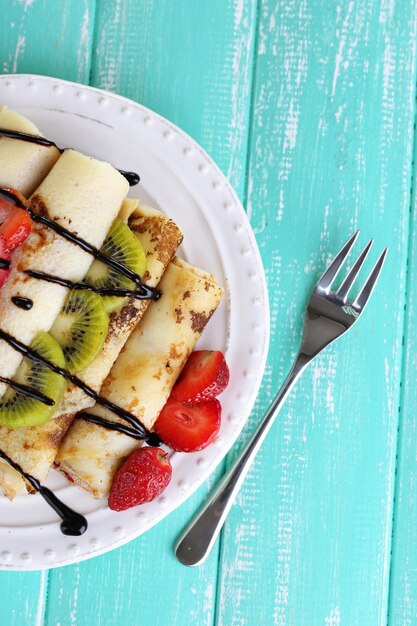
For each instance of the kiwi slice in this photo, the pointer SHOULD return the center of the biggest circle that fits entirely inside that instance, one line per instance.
(18, 410)
(81, 329)
(122, 245)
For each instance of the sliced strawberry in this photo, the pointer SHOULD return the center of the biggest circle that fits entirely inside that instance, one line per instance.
(141, 478)
(187, 427)
(15, 224)
(5, 258)
(204, 376)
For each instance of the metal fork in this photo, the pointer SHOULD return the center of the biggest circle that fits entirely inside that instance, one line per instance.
(329, 315)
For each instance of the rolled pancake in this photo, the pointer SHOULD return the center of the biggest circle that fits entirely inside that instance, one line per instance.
(35, 448)
(143, 375)
(159, 237)
(83, 195)
(23, 165)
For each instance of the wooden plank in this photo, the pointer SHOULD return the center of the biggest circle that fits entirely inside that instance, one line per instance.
(332, 132)
(23, 598)
(141, 583)
(403, 594)
(50, 38)
(191, 62)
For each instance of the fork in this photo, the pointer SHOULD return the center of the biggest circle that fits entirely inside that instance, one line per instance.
(329, 315)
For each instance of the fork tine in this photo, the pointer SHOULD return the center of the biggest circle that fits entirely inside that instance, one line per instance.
(347, 283)
(370, 282)
(332, 271)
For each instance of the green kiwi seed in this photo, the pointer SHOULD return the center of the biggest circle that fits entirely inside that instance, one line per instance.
(122, 245)
(18, 410)
(81, 329)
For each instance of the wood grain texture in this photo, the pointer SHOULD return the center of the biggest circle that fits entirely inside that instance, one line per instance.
(47, 37)
(139, 584)
(403, 584)
(23, 597)
(332, 131)
(189, 61)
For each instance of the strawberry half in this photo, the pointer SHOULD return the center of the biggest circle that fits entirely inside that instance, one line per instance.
(5, 258)
(187, 427)
(15, 224)
(204, 376)
(141, 478)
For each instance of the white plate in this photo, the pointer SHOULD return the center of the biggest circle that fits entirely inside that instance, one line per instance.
(178, 177)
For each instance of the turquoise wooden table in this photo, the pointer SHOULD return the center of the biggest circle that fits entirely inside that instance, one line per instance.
(308, 106)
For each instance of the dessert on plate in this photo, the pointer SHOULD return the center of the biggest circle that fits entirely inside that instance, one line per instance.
(97, 314)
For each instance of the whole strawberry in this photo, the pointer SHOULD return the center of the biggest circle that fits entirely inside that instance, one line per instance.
(141, 478)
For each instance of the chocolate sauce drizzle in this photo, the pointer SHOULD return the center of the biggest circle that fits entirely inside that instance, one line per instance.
(35, 356)
(15, 134)
(82, 286)
(136, 431)
(132, 177)
(145, 290)
(73, 523)
(25, 390)
(22, 303)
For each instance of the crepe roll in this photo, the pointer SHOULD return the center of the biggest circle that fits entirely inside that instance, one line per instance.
(35, 448)
(23, 165)
(143, 375)
(83, 195)
(159, 237)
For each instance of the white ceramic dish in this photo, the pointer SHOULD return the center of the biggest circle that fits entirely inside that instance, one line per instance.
(178, 177)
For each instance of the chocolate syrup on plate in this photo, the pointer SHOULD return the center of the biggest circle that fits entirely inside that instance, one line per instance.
(132, 177)
(22, 303)
(73, 523)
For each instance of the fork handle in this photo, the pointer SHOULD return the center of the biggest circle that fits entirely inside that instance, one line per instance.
(196, 542)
